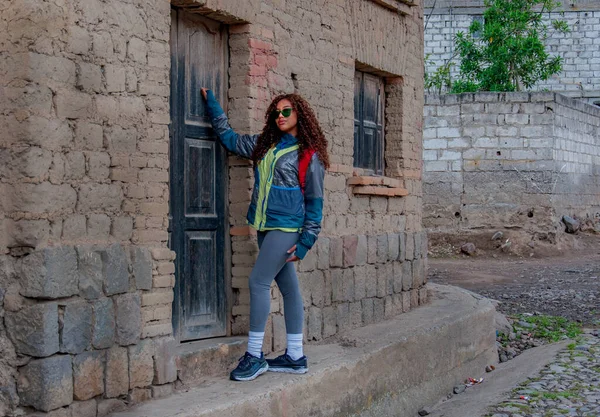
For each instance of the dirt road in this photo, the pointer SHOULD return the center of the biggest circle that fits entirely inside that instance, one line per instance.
(566, 285)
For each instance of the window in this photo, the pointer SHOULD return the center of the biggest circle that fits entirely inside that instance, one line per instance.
(368, 122)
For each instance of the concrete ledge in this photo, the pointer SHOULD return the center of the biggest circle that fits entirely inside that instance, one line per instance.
(387, 369)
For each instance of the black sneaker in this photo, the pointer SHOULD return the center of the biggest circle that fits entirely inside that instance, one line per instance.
(286, 364)
(249, 368)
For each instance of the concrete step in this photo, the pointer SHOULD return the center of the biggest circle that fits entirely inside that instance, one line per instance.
(392, 368)
(205, 359)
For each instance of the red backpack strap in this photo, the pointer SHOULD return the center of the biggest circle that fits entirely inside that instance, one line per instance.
(303, 164)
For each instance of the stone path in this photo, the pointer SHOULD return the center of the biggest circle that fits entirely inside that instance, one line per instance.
(569, 386)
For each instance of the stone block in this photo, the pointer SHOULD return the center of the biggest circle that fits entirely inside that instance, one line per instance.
(72, 104)
(315, 323)
(371, 281)
(361, 250)
(382, 281)
(397, 304)
(418, 273)
(388, 305)
(382, 249)
(116, 270)
(338, 287)
(401, 246)
(328, 294)
(46, 384)
(360, 282)
(393, 246)
(329, 321)
(117, 372)
(34, 330)
(405, 301)
(88, 375)
(367, 311)
(76, 327)
(423, 296)
(350, 249)
(110, 405)
(115, 78)
(406, 275)
(378, 310)
(103, 330)
(162, 391)
(372, 249)
(414, 298)
(309, 263)
(50, 273)
(90, 272)
(139, 395)
(355, 310)
(141, 260)
(89, 77)
(74, 227)
(418, 245)
(88, 136)
(410, 246)
(397, 279)
(141, 364)
(122, 228)
(323, 253)
(336, 252)
(165, 368)
(83, 408)
(128, 318)
(98, 227)
(343, 316)
(316, 281)
(93, 197)
(279, 334)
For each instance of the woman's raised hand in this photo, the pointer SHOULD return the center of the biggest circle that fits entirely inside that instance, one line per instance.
(203, 91)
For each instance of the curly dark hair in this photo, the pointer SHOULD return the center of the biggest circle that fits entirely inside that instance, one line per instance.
(310, 135)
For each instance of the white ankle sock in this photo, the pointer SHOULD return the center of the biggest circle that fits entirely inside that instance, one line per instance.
(294, 346)
(255, 342)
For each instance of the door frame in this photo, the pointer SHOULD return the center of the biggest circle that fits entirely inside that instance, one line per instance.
(176, 88)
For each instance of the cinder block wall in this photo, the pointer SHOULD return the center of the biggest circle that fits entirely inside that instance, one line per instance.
(86, 276)
(580, 49)
(510, 160)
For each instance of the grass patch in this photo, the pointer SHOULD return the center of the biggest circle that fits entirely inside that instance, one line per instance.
(561, 394)
(551, 328)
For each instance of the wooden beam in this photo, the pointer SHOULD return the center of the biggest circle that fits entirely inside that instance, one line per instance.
(382, 191)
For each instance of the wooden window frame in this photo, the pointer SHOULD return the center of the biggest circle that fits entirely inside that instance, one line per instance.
(373, 165)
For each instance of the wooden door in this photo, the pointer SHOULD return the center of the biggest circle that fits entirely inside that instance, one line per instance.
(198, 178)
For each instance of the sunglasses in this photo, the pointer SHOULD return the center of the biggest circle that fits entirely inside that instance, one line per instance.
(284, 112)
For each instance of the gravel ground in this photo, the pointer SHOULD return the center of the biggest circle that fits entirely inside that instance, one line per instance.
(570, 386)
(567, 286)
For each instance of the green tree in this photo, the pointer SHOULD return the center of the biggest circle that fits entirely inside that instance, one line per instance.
(507, 52)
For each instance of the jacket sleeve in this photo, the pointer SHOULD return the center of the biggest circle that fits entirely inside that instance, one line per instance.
(242, 145)
(313, 202)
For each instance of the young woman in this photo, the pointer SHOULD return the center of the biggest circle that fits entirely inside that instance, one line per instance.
(290, 158)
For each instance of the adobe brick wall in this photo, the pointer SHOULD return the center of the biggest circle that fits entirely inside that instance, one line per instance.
(510, 161)
(86, 276)
(580, 48)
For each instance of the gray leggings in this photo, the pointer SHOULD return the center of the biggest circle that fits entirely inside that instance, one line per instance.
(270, 265)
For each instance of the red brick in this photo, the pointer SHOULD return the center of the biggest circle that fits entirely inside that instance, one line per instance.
(258, 44)
(257, 70)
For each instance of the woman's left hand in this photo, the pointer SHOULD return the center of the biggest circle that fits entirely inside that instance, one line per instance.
(292, 258)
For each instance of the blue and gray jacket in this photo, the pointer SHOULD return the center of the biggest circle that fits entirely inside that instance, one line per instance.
(278, 202)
